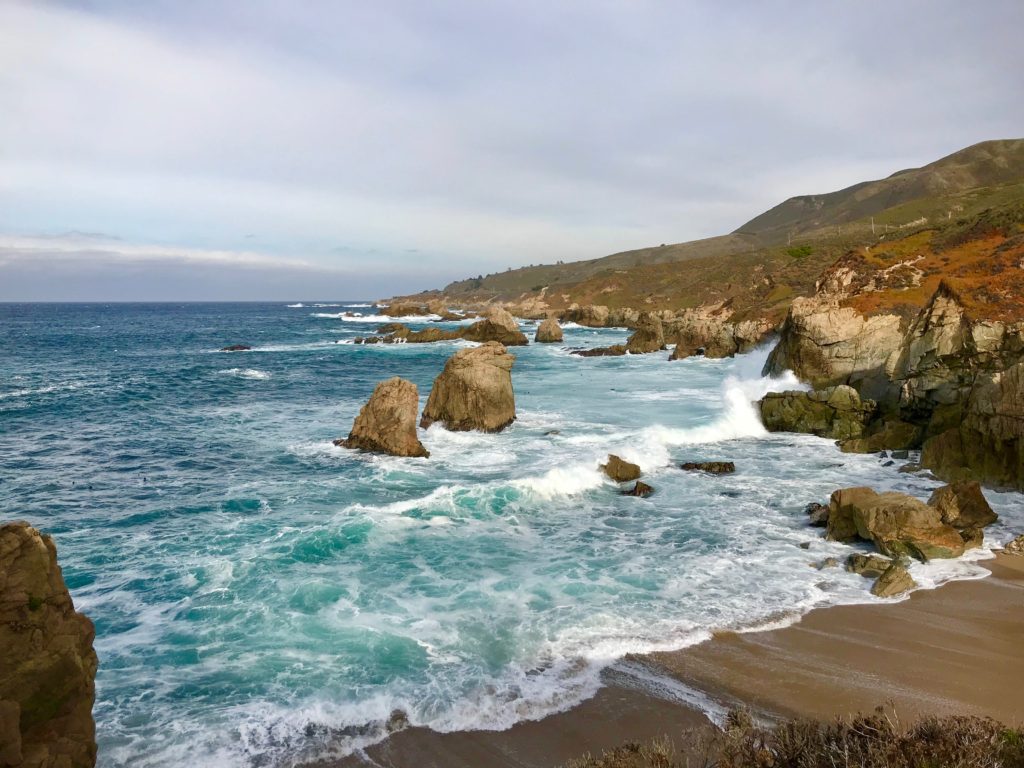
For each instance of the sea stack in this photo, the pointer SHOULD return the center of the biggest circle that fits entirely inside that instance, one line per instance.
(498, 325)
(474, 391)
(387, 423)
(649, 335)
(47, 663)
(548, 332)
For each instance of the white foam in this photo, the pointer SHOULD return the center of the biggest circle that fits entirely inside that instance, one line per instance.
(246, 373)
(295, 306)
(29, 391)
(563, 481)
(356, 317)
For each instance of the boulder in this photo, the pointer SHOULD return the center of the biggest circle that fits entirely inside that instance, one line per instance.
(236, 348)
(817, 514)
(616, 350)
(894, 581)
(498, 325)
(619, 470)
(474, 391)
(430, 335)
(871, 566)
(963, 506)
(548, 331)
(1016, 546)
(711, 467)
(387, 423)
(47, 663)
(897, 524)
(640, 489)
(835, 412)
(648, 336)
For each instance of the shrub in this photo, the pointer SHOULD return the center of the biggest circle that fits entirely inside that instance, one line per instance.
(800, 251)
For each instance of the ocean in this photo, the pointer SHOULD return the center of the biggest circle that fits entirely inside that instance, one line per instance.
(262, 597)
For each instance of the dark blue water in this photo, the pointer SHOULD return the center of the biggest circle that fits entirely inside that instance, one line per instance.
(261, 595)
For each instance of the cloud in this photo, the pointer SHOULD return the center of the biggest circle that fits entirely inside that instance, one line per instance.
(480, 135)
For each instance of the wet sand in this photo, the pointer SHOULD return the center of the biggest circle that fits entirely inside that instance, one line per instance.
(957, 649)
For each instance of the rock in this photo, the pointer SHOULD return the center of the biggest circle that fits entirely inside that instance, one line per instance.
(616, 350)
(474, 391)
(826, 344)
(836, 412)
(641, 489)
(619, 470)
(804, 545)
(430, 335)
(963, 506)
(592, 316)
(901, 454)
(499, 326)
(817, 514)
(648, 336)
(403, 310)
(236, 348)
(897, 524)
(884, 433)
(47, 665)
(871, 566)
(387, 423)
(894, 581)
(1015, 547)
(711, 467)
(552, 432)
(828, 562)
(707, 330)
(399, 329)
(548, 331)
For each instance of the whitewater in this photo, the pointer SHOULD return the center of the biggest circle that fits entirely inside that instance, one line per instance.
(264, 597)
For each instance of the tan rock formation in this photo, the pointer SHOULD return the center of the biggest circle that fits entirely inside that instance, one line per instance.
(894, 581)
(549, 331)
(648, 336)
(836, 412)
(387, 423)
(897, 524)
(963, 506)
(498, 325)
(707, 330)
(474, 391)
(47, 662)
(619, 470)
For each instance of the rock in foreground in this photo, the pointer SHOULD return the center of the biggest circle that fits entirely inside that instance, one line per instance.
(894, 581)
(549, 332)
(963, 506)
(474, 391)
(47, 662)
(619, 470)
(387, 423)
(897, 524)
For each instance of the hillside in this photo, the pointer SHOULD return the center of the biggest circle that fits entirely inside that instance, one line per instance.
(776, 255)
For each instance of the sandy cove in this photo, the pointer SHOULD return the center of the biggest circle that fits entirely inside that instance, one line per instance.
(951, 650)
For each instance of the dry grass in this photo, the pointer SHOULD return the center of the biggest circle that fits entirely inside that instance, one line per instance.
(866, 741)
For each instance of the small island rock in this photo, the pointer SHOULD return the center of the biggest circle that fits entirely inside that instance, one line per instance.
(387, 423)
(548, 332)
(619, 470)
(474, 391)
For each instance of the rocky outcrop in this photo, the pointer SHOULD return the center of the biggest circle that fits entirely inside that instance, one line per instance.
(403, 310)
(867, 565)
(498, 325)
(590, 315)
(648, 336)
(640, 489)
(884, 434)
(474, 391)
(1015, 547)
(548, 332)
(826, 344)
(236, 348)
(897, 524)
(387, 423)
(47, 662)
(710, 467)
(894, 581)
(708, 331)
(817, 514)
(964, 507)
(619, 470)
(836, 412)
(615, 350)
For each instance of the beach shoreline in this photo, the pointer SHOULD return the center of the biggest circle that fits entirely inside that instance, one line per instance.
(944, 651)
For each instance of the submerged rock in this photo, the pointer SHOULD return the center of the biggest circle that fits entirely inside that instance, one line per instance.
(897, 524)
(47, 662)
(836, 412)
(711, 467)
(387, 423)
(548, 332)
(236, 348)
(817, 514)
(497, 326)
(474, 391)
(648, 336)
(616, 350)
(871, 566)
(640, 489)
(619, 470)
(894, 581)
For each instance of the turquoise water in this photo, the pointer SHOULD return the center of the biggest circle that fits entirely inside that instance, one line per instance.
(262, 597)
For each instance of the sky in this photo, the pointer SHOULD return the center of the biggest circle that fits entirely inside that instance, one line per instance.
(290, 149)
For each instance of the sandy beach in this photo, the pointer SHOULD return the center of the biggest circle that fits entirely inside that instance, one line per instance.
(955, 649)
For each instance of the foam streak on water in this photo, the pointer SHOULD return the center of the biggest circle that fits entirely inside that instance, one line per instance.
(261, 595)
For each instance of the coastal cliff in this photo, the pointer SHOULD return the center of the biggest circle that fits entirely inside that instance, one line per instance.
(47, 665)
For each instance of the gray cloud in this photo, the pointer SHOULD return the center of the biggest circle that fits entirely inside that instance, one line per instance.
(473, 136)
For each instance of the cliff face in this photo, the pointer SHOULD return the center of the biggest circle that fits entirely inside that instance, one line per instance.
(47, 662)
